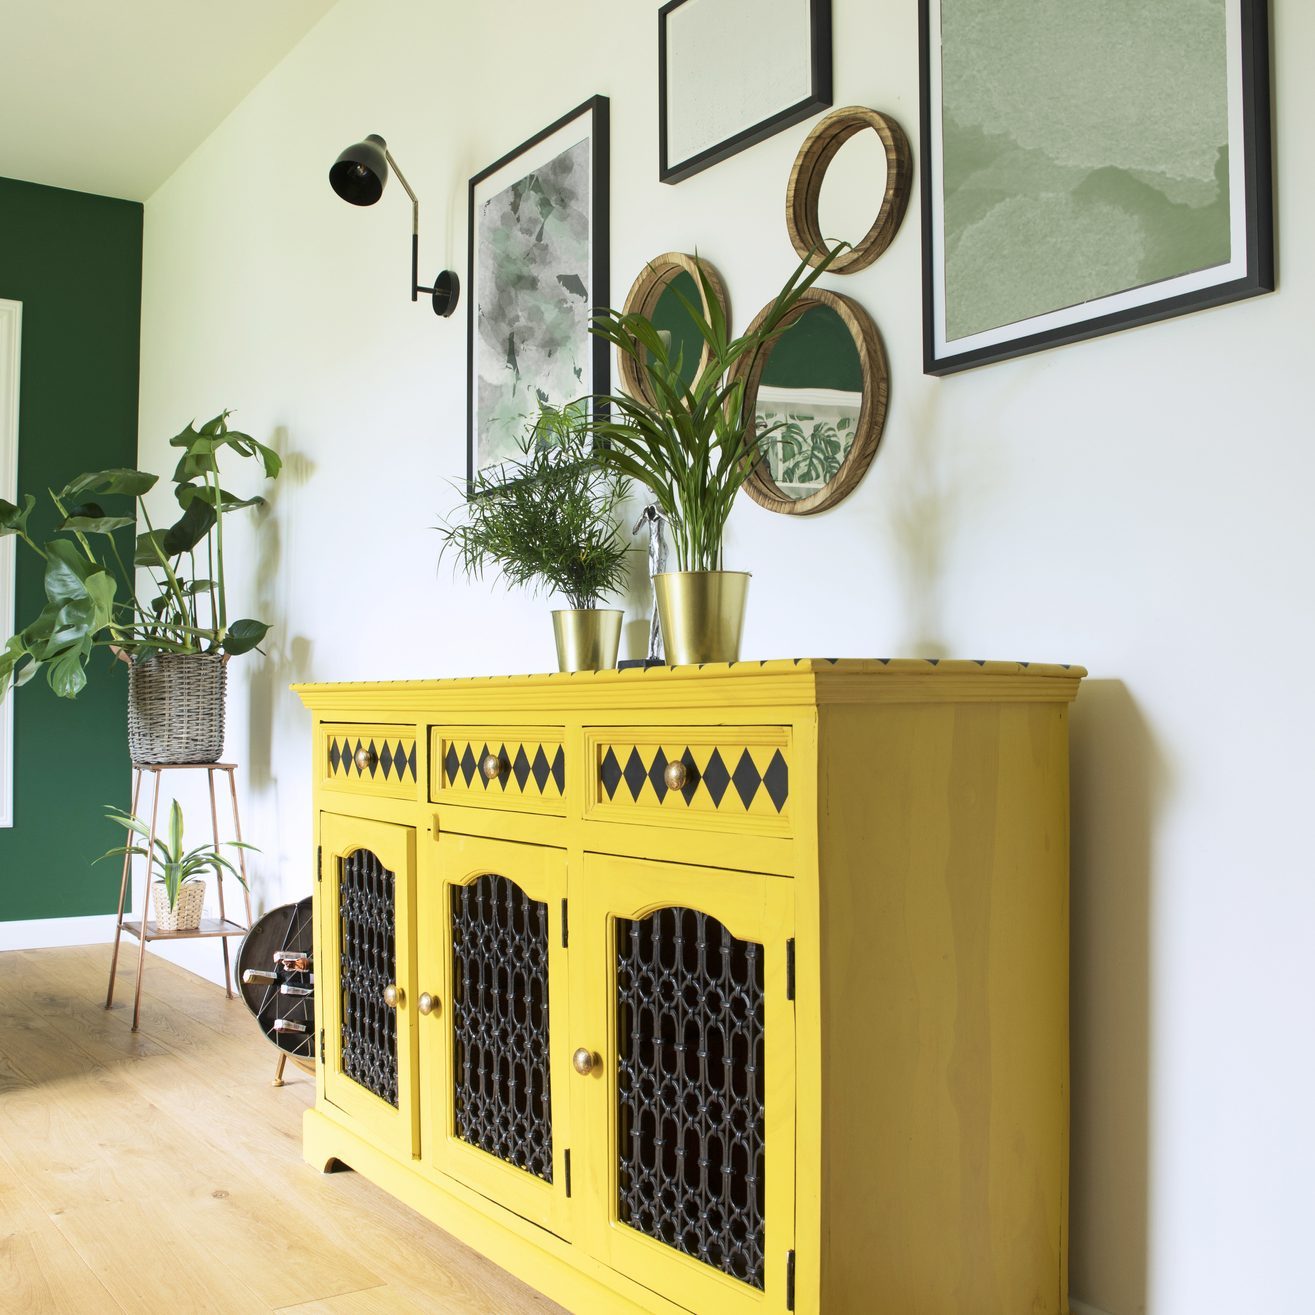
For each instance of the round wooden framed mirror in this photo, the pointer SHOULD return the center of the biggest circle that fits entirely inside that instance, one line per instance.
(804, 193)
(824, 385)
(655, 295)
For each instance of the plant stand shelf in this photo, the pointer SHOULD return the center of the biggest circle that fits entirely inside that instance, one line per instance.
(221, 928)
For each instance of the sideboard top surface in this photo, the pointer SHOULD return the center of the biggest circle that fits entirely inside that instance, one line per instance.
(787, 681)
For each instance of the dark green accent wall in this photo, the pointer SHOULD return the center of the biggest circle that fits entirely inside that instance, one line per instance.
(75, 262)
(817, 351)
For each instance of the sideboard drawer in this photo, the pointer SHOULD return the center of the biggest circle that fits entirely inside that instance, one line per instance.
(375, 760)
(737, 778)
(531, 763)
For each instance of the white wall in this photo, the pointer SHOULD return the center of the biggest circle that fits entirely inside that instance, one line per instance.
(1139, 504)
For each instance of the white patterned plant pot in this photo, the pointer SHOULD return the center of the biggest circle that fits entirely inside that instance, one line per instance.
(186, 912)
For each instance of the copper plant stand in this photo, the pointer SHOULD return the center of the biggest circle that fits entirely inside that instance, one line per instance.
(145, 930)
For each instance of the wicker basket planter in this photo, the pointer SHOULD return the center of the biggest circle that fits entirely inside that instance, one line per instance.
(176, 708)
(186, 912)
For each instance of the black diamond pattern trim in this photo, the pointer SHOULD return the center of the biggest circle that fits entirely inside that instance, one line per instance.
(374, 759)
(539, 768)
(636, 773)
(691, 786)
(691, 1082)
(559, 769)
(386, 759)
(483, 780)
(609, 772)
(411, 762)
(747, 778)
(776, 780)
(334, 756)
(655, 775)
(506, 762)
(451, 764)
(399, 760)
(716, 778)
(468, 764)
(520, 769)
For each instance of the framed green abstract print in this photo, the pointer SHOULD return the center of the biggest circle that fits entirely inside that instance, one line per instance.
(1088, 167)
(538, 271)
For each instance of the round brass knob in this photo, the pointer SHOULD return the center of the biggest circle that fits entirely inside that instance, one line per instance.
(678, 775)
(493, 767)
(427, 1004)
(584, 1061)
(394, 996)
(365, 759)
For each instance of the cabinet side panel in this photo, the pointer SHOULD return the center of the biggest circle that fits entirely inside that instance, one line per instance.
(944, 958)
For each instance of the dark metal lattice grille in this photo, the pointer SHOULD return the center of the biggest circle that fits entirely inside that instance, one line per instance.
(690, 1052)
(367, 956)
(501, 1087)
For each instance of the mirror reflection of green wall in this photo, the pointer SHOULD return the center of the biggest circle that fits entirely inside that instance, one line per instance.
(670, 316)
(812, 388)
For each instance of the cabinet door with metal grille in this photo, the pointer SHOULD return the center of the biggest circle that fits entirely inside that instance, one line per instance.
(363, 971)
(493, 1026)
(684, 1079)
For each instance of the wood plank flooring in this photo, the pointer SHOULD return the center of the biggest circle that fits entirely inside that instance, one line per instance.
(161, 1172)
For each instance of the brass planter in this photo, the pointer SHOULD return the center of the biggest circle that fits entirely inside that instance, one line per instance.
(587, 638)
(702, 615)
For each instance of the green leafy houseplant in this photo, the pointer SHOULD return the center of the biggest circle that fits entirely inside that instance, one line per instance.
(547, 519)
(175, 866)
(94, 598)
(697, 444)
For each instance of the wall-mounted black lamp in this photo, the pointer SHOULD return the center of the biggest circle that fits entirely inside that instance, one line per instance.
(358, 175)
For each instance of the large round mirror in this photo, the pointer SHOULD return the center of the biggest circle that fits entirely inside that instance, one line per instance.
(818, 395)
(666, 286)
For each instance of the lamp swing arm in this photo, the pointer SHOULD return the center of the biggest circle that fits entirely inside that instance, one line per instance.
(416, 289)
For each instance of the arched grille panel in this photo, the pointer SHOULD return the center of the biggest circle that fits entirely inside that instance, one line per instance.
(502, 1094)
(690, 1053)
(367, 955)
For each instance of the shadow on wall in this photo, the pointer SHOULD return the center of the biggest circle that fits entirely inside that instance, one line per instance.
(1119, 781)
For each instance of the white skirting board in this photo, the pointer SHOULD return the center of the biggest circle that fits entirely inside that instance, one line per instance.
(44, 933)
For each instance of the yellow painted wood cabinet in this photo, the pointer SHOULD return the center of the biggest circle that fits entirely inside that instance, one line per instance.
(735, 990)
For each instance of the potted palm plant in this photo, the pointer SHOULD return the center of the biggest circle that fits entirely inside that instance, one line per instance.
(166, 613)
(548, 519)
(693, 447)
(178, 891)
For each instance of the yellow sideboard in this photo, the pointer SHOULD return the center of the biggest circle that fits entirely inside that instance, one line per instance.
(739, 990)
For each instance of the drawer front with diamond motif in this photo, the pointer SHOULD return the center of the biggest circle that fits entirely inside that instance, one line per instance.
(375, 760)
(515, 767)
(704, 777)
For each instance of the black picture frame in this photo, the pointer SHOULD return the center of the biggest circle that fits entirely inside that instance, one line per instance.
(597, 111)
(1256, 197)
(819, 98)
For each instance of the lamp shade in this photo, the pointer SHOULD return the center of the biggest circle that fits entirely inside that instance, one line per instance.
(360, 172)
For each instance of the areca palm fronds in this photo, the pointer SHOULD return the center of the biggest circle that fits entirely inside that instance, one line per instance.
(695, 445)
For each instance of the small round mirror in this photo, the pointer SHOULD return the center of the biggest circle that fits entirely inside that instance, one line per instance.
(665, 287)
(818, 396)
(852, 189)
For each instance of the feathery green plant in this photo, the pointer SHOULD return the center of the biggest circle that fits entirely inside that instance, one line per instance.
(695, 445)
(547, 519)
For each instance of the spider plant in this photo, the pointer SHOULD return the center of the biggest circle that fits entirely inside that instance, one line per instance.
(697, 444)
(176, 866)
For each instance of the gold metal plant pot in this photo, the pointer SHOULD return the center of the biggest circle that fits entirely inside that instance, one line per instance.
(587, 638)
(702, 614)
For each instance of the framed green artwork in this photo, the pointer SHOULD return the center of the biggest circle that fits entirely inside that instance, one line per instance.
(1088, 167)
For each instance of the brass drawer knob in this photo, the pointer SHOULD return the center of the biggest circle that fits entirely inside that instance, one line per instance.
(427, 1004)
(394, 996)
(493, 767)
(678, 775)
(584, 1061)
(365, 759)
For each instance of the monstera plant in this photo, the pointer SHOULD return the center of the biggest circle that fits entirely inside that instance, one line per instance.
(167, 599)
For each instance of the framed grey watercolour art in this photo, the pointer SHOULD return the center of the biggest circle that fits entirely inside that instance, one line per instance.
(538, 270)
(733, 72)
(1088, 167)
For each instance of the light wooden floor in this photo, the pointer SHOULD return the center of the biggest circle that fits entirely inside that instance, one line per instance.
(162, 1172)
